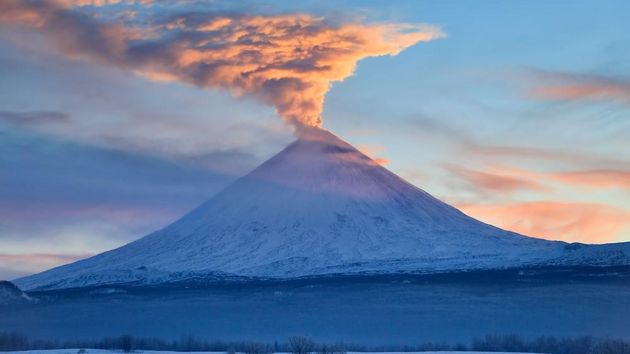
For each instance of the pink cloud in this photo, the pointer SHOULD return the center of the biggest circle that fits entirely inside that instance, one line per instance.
(595, 178)
(581, 222)
(373, 151)
(574, 87)
(498, 180)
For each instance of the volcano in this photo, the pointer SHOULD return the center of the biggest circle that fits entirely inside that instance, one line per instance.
(319, 208)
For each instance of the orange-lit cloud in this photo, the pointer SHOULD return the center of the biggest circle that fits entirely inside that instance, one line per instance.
(373, 151)
(566, 86)
(596, 178)
(288, 61)
(572, 222)
(498, 179)
(584, 90)
(507, 179)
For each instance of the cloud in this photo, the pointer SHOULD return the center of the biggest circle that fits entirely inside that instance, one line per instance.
(567, 221)
(374, 152)
(469, 145)
(25, 237)
(497, 180)
(98, 3)
(62, 197)
(229, 161)
(562, 219)
(73, 172)
(509, 152)
(595, 178)
(507, 179)
(33, 118)
(24, 212)
(88, 2)
(288, 61)
(16, 265)
(107, 107)
(580, 87)
(224, 160)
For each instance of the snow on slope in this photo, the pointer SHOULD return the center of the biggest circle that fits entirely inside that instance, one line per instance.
(319, 207)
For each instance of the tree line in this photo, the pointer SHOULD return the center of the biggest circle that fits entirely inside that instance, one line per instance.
(13, 341)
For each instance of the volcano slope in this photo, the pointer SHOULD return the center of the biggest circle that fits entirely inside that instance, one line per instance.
(319, 208)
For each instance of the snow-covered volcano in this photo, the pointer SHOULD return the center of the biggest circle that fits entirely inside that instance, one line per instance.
(319, 207)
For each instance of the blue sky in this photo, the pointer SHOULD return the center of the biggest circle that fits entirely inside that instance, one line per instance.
(520, 116)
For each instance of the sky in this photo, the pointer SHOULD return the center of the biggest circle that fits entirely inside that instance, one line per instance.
(118, 116)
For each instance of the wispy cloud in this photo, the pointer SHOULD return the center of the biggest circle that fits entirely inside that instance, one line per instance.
(71, 3)
(555, 220)
(502, 178)
(492, 153)
(564, 86)
(288, 61)
(33, 117)
(16, 265)
(30, 211)
(596, 178)
(496, 180)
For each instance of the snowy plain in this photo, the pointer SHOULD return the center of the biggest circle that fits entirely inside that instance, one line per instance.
(101, 351)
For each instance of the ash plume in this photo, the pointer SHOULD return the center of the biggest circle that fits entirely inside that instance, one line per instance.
(288, 61)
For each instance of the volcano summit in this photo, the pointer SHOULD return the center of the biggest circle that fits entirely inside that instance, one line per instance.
(320, 207)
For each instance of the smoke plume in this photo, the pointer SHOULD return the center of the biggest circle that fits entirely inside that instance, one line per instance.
(288, 61)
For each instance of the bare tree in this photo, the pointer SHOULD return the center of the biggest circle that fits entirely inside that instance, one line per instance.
(256, 348)
(301, 345)
(126, 343)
